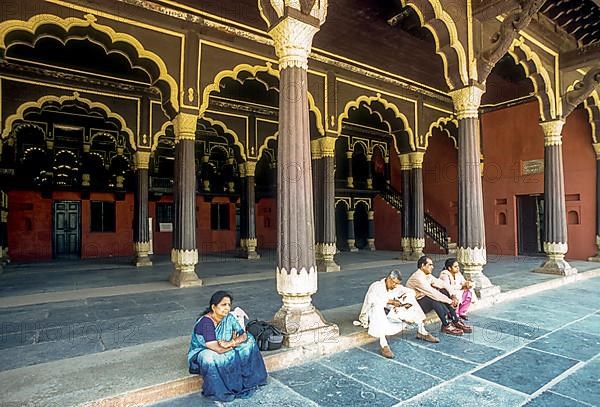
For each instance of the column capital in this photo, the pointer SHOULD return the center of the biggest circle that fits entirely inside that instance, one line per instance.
(597, 150)
(328, 146)
(404, 162)
(467, 101)
(350, 214)
(371, 215)
(141, 160)
(292, 25)
(184, 126)
(249, 168)
(416, 159)
(349, 154)
(315, 149)
(553, 132)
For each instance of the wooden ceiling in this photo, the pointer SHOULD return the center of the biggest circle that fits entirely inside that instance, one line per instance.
(579, 18)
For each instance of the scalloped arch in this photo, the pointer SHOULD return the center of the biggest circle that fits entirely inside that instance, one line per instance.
(61, 99)
(592, 106)
(440, 123)
(388, 105)
(39, 20)
(265, 144)
(523, 55)
(445, 43)
(254, 69)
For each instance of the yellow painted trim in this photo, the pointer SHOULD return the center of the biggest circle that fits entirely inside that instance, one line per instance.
(441, 121)
(471, 47)
(532, 56)
(268, 68)
(159, 134)
(61, 99)
(595, 95)
(439, 109)
(368, 100)
(265, 144)
(236, 139)
(36, 21)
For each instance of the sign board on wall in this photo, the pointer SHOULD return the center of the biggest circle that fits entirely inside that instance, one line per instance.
(165, 227)
(531, 167)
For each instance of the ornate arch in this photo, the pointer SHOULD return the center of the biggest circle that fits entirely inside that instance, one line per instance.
(441, 123)
(40, 26)
(253, 70)
(592, 106)
(434, 18)
(39, 104)
(265, 145)
(354, 104)
(523, 55)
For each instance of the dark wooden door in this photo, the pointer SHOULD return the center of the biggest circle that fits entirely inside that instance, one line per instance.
(530, 219)
(67, 229)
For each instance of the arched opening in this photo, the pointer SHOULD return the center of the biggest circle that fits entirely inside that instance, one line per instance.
(341, 226)
(361, 225)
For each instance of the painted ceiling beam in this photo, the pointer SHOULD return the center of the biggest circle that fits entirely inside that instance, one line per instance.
(580, 57)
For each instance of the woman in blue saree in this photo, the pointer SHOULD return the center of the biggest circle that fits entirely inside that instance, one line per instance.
(224, 354)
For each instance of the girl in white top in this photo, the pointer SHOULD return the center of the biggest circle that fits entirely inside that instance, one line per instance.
(461, 288)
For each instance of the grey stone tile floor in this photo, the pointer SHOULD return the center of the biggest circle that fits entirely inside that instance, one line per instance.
(511, 359)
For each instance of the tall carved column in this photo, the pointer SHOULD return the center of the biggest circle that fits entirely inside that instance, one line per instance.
(326, 248)
(3, 229)
(471, 251)
(248, 212)
(388, 178)
(350, 178)
(597, 256)
(406, 206)
(371, 231)
(184, 254)
(369, 171)
(555, 213)
(351, 238)
(141, 231)
(417, 242)
(292, 27)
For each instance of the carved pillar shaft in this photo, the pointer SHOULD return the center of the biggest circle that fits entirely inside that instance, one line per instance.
(555, 214)
(248, 220)
(406, 206)
(296, 266)
(471, 252)
(184, 254)
(371, 230)
(350, 178)
(417, 206)
(325, 204)
(141, 231)
(369, 171)
(351, 240)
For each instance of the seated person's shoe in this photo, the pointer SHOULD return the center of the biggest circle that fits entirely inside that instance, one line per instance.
(452, 330)
(429, 338)
(386, 352)
(464, 327)
(464, 317)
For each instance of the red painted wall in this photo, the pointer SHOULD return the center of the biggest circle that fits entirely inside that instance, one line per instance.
(266, 223)
(209, 240)
(388, 225)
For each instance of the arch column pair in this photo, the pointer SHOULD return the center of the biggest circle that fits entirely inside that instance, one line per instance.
(141, 230)
(292, 28)
(413, 239)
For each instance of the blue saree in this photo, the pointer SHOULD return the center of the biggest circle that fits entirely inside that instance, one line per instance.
(236, 373)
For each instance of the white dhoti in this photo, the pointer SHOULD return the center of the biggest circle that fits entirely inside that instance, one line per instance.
(373, 312)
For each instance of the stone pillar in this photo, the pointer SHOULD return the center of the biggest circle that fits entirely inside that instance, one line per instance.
(555, 213)
(325, 201)
(387, 171)
(597, 256)
(3, 229)
(471, 251)
(351, 238)
(417, 242)
(371, 232)
(141, 231)
(369, 171)
(406, 206)
(184, 254)
(248, 212)
(292, 28)
(350, 178)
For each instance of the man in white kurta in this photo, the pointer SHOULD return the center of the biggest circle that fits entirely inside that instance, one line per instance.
(388, 308)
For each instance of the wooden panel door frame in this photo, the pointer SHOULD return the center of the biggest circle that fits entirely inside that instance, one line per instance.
(79, 225)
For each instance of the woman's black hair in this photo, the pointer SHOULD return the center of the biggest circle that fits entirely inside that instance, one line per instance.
(449, 262)
(216, 299)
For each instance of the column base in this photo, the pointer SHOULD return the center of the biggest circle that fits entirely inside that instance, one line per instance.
(326, 266)
(184, 274)
(183, 279)
(596, 258)
(473, 260)
(304, 326)
(351, 245)
(556, 266)
(250, 255)
(142, 261)
(371, 243)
